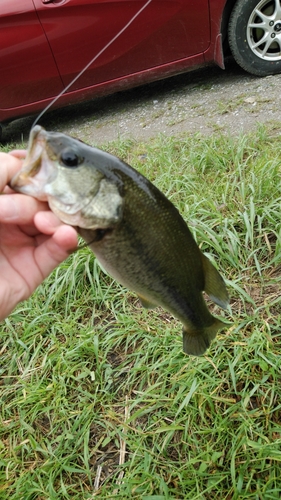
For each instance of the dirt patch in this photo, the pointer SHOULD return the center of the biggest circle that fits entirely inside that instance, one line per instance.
(205, 101)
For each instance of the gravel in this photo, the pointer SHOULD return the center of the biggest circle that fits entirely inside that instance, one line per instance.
(205, 101)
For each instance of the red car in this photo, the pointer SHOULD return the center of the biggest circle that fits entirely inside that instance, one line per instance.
(44, 44)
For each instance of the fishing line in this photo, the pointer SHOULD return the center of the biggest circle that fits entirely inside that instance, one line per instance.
(91, 62)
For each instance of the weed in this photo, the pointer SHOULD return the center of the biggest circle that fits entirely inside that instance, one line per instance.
(97, 397)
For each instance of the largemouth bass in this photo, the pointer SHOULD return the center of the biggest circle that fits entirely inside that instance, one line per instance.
(135, 232)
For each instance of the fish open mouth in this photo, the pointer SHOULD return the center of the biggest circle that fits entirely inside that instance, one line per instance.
(31, 184)
(36, 146)
(36, 168)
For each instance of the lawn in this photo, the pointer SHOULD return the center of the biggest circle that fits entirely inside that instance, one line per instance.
(97, 397)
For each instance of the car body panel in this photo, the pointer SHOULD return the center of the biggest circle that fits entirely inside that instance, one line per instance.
(25, 79)
(43, 46)
(166, 31)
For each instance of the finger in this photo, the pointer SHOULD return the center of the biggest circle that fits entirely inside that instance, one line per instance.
(10, 165)
(55, 249)
(18, 153)
(47, 222)
(19, 209)
(66, 238)
(8, 190)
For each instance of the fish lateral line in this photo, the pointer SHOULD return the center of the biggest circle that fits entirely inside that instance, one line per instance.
(130, 253)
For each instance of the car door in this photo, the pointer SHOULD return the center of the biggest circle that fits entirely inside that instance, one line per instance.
(28, 69)
(165, 31)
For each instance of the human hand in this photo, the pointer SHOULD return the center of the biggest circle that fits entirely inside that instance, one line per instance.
(32, 239)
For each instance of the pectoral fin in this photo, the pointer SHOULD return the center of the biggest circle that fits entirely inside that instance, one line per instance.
(214, 284)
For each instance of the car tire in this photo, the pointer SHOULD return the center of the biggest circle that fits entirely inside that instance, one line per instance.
(254, 34)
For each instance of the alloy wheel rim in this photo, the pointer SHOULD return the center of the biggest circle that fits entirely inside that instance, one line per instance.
(264, 30)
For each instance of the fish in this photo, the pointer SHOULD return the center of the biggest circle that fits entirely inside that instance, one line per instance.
(134, 230)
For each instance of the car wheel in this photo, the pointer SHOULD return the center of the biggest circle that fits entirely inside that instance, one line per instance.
(254, 34)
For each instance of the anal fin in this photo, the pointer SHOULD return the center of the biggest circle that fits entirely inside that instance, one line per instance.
(146, 303)
(214, 284)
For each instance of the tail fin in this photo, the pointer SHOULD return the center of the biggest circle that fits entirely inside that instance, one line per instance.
(196, 342)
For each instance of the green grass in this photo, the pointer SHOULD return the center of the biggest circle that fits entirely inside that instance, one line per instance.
(97, 397)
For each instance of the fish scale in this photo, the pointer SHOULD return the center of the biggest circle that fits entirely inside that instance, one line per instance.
(136, 233)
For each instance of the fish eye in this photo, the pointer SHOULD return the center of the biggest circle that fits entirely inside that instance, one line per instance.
(70, 159)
